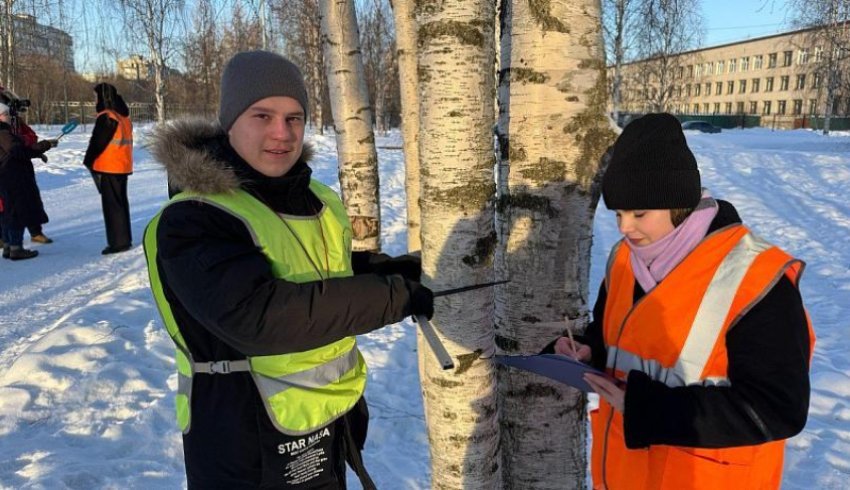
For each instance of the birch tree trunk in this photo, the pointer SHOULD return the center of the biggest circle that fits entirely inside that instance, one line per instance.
(552, 130)
(456, 55)
(405, 41)
(355, 140)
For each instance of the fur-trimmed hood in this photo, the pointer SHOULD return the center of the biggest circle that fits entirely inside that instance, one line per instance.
(192, 152)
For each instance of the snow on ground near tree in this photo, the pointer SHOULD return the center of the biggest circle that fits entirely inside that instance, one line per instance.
(87, 373)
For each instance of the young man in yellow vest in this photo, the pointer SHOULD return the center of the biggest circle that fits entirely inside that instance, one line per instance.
(252, 270)
(702, 322)
(109, 157)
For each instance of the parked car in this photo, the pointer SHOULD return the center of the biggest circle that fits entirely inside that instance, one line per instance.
(701, 126)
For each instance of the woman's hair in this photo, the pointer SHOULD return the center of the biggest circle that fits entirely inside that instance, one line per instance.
(679, 215)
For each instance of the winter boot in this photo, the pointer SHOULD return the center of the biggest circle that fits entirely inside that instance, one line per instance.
(17, 252)
(41, 238)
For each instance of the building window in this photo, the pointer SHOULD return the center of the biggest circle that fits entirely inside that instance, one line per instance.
(757, 61)
(742, 87)
(754, 107)
(696, 108)
(771, 62)
(705, 108)
(697, 89)
(818, 54)
(816, 79)
(680, 72)
(679, 92)
(739, 108)
(688, 90)
(730, 87)
(813, 106)
(719, 70)
(803, 56)
(783, 82)
(780, 107)
(733, 64)
(690, 71)
(718, 88)
(699, 70)
(786, 58)
(755, 85)
(745, 63)
(709, 68)
(728, 108)
(798, 107)
(801, 82)
(768, 84)
(765, 108)
(717, 108)
(708, 88)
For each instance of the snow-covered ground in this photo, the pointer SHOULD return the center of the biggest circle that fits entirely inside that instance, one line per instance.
(87, 374)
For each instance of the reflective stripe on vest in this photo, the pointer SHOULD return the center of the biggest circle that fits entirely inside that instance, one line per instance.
(302, 391)
(117, 157)
(676, 334)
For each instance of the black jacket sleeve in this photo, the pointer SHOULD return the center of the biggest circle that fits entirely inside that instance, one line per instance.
(209, 264)
(768, 395)
(104, 129)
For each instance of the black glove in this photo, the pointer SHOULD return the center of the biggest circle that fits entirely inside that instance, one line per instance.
(42, 146)
(408, 266)
(53, 143)
(421, 299)
(43, 157)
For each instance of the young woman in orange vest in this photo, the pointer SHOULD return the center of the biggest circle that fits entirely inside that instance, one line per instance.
(109, 157)
(701, 322)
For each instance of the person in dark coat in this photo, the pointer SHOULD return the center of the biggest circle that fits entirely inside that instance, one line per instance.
(36, 227)
(109, 157)
(701, 323)
(252, 268)
(18, 190)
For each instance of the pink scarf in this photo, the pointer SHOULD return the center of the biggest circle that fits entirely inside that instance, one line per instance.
(651, 263)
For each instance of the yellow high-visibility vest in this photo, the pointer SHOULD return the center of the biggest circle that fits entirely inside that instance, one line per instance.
(302, 391)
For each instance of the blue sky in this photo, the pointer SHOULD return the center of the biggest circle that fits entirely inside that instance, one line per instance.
(734, 20)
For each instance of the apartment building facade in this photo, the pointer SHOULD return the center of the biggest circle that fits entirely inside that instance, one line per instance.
(780, 77)
(43, 40)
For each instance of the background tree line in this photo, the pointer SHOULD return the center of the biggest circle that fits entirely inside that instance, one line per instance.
(187, 44)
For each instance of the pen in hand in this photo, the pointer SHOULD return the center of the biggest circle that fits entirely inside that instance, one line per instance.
(572, 340)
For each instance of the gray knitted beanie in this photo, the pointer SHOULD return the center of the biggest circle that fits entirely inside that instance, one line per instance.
(254, 75)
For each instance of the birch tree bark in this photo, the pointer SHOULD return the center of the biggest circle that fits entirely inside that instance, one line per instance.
(405, 42)
(552, 130)
(456, 76)
(355, 139)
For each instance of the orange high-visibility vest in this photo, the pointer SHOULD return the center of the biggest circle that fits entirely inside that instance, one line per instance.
(690, 312)
(117, 158)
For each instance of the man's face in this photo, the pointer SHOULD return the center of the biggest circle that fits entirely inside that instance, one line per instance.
(5, 117)
(269, 135)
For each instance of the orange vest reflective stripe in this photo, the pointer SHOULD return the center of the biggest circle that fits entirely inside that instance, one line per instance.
(690, 311)
(117, 158)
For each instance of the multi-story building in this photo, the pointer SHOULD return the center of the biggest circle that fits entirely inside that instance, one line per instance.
(778, 75)
(32, 38)
(136, 67)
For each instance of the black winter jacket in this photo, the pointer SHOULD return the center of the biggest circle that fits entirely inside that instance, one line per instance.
(229, 305)
(768, 396)
(22, 199)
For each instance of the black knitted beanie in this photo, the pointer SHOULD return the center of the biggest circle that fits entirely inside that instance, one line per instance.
(652, 167)
(254, 75)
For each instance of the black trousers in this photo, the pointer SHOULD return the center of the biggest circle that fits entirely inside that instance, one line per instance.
(116, 210)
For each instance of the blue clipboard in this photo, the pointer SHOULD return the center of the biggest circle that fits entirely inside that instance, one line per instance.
(557, 367)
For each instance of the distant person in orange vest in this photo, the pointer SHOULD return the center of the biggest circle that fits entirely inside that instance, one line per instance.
(701, 322)
(109, 157)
